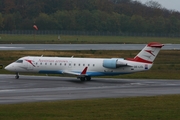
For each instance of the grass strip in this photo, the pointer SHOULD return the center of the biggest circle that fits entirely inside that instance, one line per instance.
(136, 108)
(81, 39)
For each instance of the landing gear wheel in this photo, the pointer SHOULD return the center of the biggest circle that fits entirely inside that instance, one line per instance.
(17, 76)
(88, 78)
(82, 78)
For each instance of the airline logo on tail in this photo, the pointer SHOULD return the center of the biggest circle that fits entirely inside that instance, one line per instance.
(151, 52)
(148, 53)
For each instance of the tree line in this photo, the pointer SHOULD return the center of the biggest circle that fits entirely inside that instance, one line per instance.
(88, 15)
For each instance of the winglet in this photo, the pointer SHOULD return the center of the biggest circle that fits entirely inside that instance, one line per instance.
(84, 71)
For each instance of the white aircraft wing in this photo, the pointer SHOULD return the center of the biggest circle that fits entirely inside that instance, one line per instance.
(83, 73)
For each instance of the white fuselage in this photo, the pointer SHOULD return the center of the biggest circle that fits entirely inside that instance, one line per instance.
(84, 68)
(59, 65)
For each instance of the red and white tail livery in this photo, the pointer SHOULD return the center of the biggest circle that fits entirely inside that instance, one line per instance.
(85, 68)
(148, 53)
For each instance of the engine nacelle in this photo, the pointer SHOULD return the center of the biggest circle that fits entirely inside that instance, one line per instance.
(113, 63)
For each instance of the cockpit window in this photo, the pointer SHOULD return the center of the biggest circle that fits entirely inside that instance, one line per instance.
(19, 61)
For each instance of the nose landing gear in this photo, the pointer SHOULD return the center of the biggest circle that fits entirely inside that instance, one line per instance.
(17, 75)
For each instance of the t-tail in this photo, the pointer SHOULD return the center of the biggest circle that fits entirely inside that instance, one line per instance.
(148, 53)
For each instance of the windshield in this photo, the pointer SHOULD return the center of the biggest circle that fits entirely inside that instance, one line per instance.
(19, 61)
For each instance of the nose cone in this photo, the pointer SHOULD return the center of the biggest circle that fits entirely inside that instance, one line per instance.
(9, 68)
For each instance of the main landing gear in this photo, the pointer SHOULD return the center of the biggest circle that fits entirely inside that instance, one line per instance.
(17, 75)
(88, 78)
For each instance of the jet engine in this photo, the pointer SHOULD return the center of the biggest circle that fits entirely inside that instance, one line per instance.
(113, 63)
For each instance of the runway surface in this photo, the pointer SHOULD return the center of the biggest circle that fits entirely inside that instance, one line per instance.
(81, 46)
(44, 88)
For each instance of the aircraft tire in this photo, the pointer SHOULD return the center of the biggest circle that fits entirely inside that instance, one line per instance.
(17, 77)
(82, 78)
(88, 78)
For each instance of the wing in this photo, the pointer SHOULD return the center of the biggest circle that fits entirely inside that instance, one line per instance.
(83, 73)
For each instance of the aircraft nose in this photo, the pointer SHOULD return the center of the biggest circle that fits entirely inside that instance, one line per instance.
(9, 68)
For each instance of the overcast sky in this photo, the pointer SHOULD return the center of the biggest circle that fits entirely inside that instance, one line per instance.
(169, 4)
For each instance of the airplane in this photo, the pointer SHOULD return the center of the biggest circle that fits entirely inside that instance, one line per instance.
(85, 68)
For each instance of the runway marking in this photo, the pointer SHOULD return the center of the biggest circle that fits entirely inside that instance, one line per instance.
(11, 47)
(6, 90)
(57, 88)
(136, 84)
